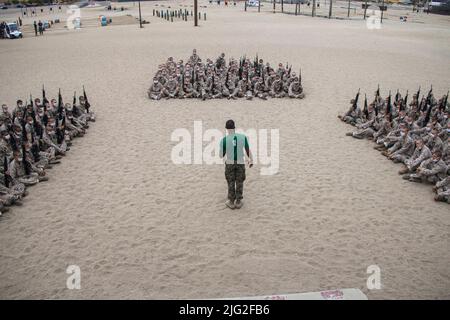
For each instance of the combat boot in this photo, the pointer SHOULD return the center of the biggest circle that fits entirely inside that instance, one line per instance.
(230, 204)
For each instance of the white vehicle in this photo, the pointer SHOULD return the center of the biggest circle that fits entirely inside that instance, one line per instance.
(252, 3)
(12, 30)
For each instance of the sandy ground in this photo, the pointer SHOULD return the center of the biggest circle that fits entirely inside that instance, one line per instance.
(139, 226)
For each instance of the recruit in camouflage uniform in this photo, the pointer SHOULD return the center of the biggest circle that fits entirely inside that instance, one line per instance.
(215, 80)
(415, 134)
(33, 138)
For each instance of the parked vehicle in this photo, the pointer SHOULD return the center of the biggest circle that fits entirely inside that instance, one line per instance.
(253, 3)
(10, 30)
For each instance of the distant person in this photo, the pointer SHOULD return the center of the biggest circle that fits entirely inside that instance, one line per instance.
(3, 30)
(41, 28)
(232, 146)
(35, 28)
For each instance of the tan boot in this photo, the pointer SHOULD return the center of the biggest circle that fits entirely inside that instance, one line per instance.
(230, 204)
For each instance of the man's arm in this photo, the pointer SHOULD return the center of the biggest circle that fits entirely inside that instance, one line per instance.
(248, 152)
(434, 170)
(404, 148)
(223, 148)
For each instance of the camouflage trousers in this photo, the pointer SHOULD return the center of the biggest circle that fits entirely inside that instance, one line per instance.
(10, 195)
(365, 133)
(403, 158)
(235, 175)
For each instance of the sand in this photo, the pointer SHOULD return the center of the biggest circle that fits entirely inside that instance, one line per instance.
(139, 226)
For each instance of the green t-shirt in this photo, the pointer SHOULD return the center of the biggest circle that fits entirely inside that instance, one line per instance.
(233, 146)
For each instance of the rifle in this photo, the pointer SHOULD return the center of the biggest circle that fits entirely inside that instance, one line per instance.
(429, 95)
(366, 109)
(26, 165)
(389, 107)
(44, 98)
(405, 101)
(24, 131)
(35, 151)
(427, 116)
(355, 103)
(445, 102)
(60, 107)
(88, 105)
(5, 171)
(59, 133)
(423, 104)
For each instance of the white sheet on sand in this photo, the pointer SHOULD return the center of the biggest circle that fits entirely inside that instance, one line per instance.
(338, 294)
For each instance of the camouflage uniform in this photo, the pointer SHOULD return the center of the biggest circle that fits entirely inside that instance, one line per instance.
(17, 173)
(430, 170)
(402, 150)
(156, 91)
(419, 156)
(295, 90)
(188, 89)
(443, 190)
(171, 89)
(235, 176)
(259, 89)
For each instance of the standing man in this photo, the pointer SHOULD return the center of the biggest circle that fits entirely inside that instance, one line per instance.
(35, 28)
(233, 146)
(41, 28)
